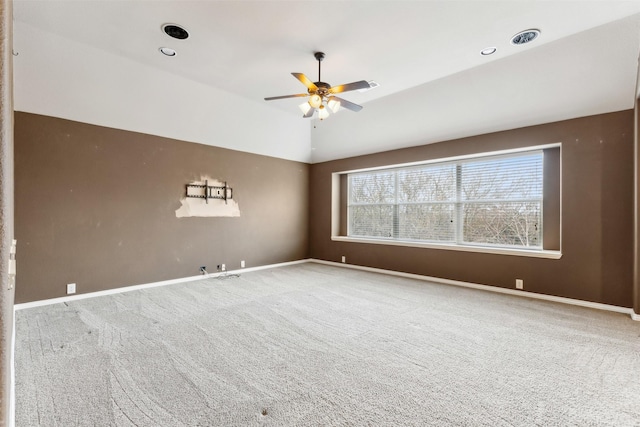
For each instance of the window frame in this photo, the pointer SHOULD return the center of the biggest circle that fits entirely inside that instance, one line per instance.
(338, 216)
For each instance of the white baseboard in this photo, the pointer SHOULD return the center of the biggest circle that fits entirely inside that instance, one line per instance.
(77, 297)
(515, 292)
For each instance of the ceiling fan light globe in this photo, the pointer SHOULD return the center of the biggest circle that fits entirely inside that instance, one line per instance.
(305, 107)
(323, 113)
(334, 105)
(315, 100)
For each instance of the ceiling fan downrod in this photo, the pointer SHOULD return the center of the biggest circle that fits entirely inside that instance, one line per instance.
(319, 57)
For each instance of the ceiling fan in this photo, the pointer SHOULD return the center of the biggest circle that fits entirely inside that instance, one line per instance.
(321, 94)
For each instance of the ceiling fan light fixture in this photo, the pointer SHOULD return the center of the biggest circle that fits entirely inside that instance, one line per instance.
(334, 105)
(305, 107)
(315, 100)
(323, 113)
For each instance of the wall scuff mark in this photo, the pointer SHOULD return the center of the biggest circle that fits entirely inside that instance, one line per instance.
(194, 207)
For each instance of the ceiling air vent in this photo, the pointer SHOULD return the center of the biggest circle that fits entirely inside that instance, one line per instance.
(524, 37)
(175, 31)
(372, 85)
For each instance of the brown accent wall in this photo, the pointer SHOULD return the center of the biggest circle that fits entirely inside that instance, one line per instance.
(96, 206)
(636, 211)
(597, 214)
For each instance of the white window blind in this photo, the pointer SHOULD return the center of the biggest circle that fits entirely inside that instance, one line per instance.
(487, 201)
(372, 204)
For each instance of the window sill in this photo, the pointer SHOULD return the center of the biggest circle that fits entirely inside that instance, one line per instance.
(463, 248)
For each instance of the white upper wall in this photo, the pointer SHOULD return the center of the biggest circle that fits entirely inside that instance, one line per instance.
(98, 62)
(582, 75)
(63, 78)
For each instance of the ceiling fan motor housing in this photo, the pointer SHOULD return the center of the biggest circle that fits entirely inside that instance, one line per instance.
(323, 88)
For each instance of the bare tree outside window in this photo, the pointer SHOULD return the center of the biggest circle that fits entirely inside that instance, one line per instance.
(372, 198)
(426, 203)
(488, 201)
(502, 201)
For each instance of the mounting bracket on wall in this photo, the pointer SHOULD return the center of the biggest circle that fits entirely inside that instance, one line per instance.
(206, 191)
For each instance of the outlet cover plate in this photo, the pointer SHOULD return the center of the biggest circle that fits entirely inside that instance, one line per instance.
(71, 288)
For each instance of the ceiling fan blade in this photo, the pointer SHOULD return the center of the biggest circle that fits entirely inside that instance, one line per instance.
(362, 84)
(347, 104)
(286, 96)
(309, 113)
(305, 81)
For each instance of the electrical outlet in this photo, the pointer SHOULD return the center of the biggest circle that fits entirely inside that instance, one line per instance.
(223, 267)
(71, 288)
(344, 259)
(519, 284)
(242, 264)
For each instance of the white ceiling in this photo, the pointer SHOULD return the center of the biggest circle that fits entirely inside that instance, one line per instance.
(98, 62)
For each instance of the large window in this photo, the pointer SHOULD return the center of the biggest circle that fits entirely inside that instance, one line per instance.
(488, 201)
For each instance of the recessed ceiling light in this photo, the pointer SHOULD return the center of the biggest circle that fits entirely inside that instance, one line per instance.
(524, 37)
(168, 51)
(175, 31)
(488, 51)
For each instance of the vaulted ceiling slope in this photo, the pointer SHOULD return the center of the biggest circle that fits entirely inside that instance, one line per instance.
(99, 62)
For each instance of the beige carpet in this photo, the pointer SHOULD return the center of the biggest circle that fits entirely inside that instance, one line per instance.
(313, 345)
